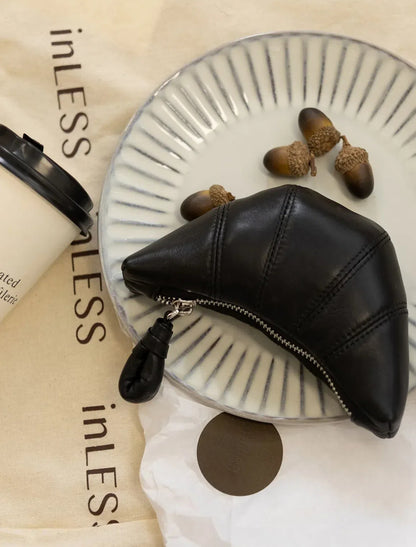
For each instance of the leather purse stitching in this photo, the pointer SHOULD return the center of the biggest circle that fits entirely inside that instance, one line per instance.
(399, 309)
(357, 262)
(216, 244)
(278, 237)
(356, 329)
(271, 246)
(212, 253)
(220, 245)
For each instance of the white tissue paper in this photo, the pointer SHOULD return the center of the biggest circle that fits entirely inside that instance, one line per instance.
(338, 484)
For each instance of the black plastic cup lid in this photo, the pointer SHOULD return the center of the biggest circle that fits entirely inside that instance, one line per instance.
(24, 158)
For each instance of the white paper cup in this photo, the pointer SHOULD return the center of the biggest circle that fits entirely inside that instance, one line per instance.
(42, 209)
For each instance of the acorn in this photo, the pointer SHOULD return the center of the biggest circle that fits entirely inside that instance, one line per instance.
(293, 160)
(203, 201)
(318, 131)
(352, 162)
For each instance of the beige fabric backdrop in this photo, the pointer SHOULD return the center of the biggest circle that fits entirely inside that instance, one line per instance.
(62, 350)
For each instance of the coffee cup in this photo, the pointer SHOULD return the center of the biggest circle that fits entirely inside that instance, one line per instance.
(42, 209)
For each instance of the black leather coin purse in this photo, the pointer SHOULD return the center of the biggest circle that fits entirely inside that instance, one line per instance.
(319, 280)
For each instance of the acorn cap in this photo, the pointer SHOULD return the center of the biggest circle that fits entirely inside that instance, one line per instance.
(219, 195)
(323, 140)
(349, 157)
(298, 158)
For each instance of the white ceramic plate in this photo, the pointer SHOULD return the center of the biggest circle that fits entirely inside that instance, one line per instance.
(212, 122)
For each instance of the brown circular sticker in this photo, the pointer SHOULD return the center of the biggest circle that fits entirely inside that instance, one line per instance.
(237, 456)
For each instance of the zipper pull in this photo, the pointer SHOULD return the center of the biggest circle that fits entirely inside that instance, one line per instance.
(180, 307)
(142, 374)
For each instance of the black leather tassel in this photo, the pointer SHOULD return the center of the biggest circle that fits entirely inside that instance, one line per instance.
(143, 372)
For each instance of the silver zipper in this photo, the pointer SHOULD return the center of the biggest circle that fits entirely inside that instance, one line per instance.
(185, 307)
(180, 307)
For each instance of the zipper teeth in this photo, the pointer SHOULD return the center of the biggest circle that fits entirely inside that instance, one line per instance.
(275, 335)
